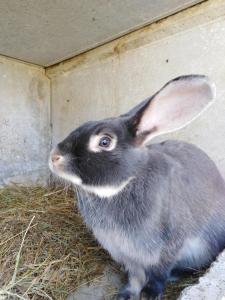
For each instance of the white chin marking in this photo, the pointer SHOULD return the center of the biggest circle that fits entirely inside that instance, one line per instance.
(106, 191)
(72, 178)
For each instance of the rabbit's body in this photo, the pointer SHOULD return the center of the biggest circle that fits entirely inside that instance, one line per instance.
(158, 209)
(139, 225)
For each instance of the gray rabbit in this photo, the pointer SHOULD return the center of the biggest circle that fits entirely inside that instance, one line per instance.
(158, 209)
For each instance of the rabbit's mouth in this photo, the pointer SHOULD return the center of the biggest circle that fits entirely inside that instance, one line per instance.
(57, 164)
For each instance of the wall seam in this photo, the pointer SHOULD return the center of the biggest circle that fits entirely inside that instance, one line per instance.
(50, 108)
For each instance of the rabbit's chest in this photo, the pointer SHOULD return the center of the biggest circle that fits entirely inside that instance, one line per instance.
(115, 232)
(105, 213)
(127, 248)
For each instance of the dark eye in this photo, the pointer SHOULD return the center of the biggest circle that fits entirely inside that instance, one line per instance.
(105, 142)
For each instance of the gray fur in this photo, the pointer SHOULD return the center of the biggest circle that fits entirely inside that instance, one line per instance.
(149, 222)
(170, 216)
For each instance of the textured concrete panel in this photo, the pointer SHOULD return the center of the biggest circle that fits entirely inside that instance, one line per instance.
(111, 79)
(46, 32)
(211, 286)
(24, 122)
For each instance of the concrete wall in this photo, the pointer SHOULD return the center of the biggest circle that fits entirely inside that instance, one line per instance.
(110, 79)
(24, 122)
(106, 82)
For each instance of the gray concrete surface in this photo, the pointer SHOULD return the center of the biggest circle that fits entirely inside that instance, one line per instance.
(24, 122)
(111, 79)
(211, 286)
(46, 32)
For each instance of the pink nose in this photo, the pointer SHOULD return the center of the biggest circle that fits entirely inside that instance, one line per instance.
(55, 158)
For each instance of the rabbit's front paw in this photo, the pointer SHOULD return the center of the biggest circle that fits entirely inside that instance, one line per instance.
(123, 295)
(126, 295)
(145, 296)
(149, 294)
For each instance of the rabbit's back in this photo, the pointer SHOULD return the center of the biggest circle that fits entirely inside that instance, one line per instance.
(196, 188)
(196, 201)
(193, 174)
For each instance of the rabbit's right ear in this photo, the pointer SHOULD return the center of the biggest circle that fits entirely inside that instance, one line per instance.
(174, 106)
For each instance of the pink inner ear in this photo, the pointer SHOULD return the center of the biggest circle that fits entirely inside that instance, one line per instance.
(176, 105)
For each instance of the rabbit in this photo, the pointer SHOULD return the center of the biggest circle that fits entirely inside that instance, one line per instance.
(158, 209)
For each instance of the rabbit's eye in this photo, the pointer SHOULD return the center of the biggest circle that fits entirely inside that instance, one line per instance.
(105, 142)
(102, 142)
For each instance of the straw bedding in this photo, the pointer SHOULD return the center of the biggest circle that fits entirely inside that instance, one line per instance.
(46, 252)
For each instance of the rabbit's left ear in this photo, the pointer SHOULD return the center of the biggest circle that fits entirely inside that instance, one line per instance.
(179, 102)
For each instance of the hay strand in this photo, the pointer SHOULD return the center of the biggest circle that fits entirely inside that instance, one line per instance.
(12, 282)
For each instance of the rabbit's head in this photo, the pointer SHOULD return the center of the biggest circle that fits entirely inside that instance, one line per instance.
(108, 153)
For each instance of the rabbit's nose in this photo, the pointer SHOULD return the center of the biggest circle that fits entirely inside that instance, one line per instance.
(56, 158)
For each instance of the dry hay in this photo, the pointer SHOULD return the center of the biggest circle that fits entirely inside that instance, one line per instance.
(46, 252)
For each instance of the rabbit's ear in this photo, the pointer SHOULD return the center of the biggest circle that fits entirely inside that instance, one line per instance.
(179, 102)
